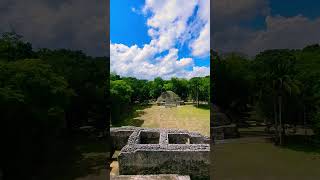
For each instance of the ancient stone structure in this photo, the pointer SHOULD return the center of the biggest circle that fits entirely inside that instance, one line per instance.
(161, 151)
(151, 177)
(169, 99)
(221, 126)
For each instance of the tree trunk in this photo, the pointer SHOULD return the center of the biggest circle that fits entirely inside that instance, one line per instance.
(275, 119)
(304, 120)
(197, 95)
(280, 120)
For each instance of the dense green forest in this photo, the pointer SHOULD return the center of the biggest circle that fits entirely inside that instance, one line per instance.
(127, 91)
(282, 87)
(45, 96)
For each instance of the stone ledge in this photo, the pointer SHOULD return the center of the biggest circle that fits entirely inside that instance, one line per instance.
(151, 177)
(224, 132)
(187, 153)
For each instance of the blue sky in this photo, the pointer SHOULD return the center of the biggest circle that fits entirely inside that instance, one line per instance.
(126, 26)
(288, 8)
(167, 39)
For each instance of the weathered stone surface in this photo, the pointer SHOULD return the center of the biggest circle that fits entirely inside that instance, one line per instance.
(169, 99)
(221, 126)
(119, 136)
(165, 151)
(151, 177)
(224, 132)
(218, 118)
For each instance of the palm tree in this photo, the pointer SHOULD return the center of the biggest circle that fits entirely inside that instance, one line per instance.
(285, 85)
(277, 73)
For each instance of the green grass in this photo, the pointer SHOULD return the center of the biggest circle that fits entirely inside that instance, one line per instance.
(189, 110)
(130, 118)
(183, 117)
(254, 157)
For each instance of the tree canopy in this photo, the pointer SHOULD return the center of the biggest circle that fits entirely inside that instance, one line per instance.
(45, 94)
(125, 91)
(281, 85)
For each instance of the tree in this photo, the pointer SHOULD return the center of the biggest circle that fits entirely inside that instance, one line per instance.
(277, 69)
(33, 100)
(120, 94)
(13, 48)
(232, 84)
(194, 84)
(179, 86)
(156, 87)
(86, 76)
(168, 86)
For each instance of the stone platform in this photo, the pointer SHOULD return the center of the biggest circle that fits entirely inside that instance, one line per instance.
(151, 177)
(224, 132)
(162, 151)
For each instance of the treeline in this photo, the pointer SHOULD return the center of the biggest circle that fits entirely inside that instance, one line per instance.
(125, 91)
(280, 86)
(44, 95)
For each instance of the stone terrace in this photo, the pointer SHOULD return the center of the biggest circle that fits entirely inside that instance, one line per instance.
(161, 151)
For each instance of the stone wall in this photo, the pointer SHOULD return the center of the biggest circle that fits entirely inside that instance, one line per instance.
(151, 177)
(174, 152)
(224, 132)
(120, 136)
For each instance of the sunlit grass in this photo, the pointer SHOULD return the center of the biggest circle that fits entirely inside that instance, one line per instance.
(186, 117)
(183, 117)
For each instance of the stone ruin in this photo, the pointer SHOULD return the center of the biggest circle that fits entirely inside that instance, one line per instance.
(169, 99)
(147, 151)
(221, 126)
(151, 177)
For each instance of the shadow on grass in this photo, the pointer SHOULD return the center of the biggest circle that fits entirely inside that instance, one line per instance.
(253, 133)
(202, 106)
(131, 117)
(302, 143)
(76, 157)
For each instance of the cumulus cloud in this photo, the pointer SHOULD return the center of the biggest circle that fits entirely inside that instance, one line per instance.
(168, 26)
(285, 32)
(279, 32)
(199, 71)
(135, 61)
(201, 46)
(168, 21)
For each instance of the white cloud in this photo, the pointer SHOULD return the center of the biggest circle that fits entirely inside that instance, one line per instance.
(199, 71)
(201, 46)
(134, 61)
(168, 20)
(280, 33)
(167, 26)
(284, 32)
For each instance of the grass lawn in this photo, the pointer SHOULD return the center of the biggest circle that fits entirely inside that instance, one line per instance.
(183, 117)
(253, 157)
